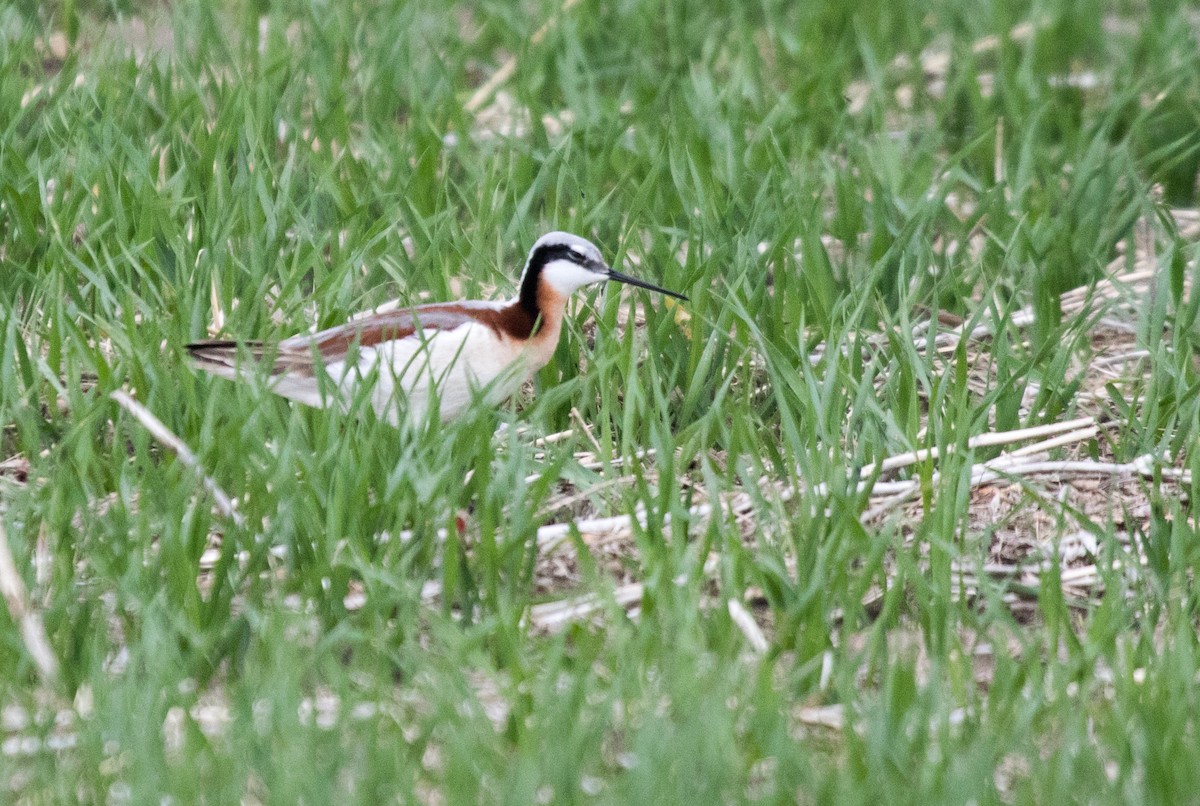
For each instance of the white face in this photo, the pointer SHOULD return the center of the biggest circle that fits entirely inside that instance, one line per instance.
(566, 276)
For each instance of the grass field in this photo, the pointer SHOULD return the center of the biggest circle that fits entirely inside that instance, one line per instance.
(895, 509)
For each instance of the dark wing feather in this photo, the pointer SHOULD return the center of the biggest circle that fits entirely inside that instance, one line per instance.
(225, 358)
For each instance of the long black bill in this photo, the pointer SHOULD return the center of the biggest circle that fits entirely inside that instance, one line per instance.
(625, 278)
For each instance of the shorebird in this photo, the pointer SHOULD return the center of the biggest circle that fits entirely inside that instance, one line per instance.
(445, 354)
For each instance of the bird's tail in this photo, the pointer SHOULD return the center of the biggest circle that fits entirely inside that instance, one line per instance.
(292, 370)
(228, 359)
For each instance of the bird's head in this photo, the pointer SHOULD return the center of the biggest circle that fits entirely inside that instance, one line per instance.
(566, 263)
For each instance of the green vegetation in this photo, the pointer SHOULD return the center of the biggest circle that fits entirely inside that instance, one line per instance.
(824, 181)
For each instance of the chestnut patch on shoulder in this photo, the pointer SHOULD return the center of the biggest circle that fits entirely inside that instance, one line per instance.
(515, 321)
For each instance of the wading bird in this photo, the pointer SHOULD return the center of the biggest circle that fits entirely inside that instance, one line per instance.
(446, 354)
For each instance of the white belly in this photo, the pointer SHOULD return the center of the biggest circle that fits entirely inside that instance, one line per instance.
(449, 368)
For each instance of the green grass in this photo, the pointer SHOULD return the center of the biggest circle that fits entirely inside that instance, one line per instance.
(792, 167)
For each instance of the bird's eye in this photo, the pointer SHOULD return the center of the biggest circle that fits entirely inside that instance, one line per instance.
(576, 256)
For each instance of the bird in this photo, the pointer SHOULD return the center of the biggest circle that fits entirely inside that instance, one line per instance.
(446, 354)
